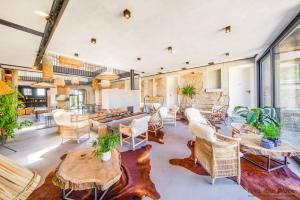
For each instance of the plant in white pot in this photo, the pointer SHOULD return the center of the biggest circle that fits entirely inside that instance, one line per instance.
(104, 145)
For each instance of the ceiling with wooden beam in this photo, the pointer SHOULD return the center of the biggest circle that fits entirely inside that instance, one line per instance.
(18, 44)
(194, 28)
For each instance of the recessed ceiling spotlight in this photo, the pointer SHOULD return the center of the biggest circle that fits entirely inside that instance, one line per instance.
(139, 59)
(227, 29)
(211, 63)
(126, 14)
(161, 68)
(187, 62)
(76, 54)
(170, 49)
(227, 54)
(93, 40)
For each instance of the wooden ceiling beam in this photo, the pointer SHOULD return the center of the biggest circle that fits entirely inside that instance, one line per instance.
(57, 10)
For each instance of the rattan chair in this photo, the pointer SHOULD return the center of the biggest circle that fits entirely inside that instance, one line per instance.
(16, 182)
(219, 112)
(155, 123)
(71, 126)
(219, 156)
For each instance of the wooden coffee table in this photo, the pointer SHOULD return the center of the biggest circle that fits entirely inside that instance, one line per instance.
(250, 144)
(81, 170)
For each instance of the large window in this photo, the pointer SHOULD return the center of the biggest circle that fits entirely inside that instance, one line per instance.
(266, 90)
(287, 85)
(279, 82)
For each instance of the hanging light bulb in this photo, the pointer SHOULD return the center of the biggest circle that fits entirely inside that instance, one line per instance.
(47, 68)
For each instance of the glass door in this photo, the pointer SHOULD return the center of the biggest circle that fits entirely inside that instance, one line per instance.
(287, 85)
(77, 99)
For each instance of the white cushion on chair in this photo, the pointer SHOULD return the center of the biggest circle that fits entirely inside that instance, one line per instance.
(194, 115)
(203, 131)
(163, 111)
(139, 126)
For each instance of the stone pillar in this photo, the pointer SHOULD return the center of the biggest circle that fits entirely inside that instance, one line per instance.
(132, 79)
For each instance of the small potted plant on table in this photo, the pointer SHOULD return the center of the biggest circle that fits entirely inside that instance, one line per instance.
(104, 145)
(265, 121)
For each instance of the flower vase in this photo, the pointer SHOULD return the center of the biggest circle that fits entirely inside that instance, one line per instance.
(106, 156)
(268, 144)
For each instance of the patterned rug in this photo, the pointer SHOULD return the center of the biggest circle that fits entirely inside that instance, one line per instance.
(279, 184)
(134, 183)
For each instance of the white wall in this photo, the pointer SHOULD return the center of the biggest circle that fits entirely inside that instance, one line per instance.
(116, 98)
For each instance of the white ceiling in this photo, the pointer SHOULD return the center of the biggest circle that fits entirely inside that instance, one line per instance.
(192, 27)
(19, 47)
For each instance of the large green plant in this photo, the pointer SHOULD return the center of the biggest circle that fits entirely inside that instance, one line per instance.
(107, 143)
(264, 119)
(8, 115)
(189, 91)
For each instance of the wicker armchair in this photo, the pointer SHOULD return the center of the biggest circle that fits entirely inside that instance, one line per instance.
(219, 155)
(71, 126)
(16, 182)
(155, 123)
(219, 111)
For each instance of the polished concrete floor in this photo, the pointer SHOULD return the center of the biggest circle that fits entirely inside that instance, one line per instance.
(40, 150)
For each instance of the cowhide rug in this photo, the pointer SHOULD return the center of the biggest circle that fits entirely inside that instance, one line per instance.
(159, 137)
(134, 183)
(279, 184)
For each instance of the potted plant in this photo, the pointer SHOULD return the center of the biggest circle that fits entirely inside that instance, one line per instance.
(187, 91)
(8, 115)
(271, 133)
(104, 145)
(264, 120)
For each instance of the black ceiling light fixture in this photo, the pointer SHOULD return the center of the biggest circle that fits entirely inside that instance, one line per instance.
(170, 49)
(227, 29)
(183, 68)
(161, 68)
(126, 14)
(76, 54)
(138, 58)
(187, 62)
(93, 40)
(227, 54)
(211, 63)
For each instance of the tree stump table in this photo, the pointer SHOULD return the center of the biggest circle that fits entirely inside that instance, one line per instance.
(81, 170)
(250, 144)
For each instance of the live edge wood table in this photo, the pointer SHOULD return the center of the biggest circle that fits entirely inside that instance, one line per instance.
(81, 170)
(250, 144)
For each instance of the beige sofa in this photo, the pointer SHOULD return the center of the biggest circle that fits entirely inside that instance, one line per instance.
(70, 125)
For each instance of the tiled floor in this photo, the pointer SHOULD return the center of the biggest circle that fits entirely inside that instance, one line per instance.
(41, 149)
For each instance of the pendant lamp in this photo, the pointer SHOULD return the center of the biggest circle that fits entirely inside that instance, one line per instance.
(5, 89)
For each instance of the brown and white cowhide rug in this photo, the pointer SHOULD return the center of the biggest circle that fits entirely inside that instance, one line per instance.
(158, 138)
(134, 183)
(280, 184)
